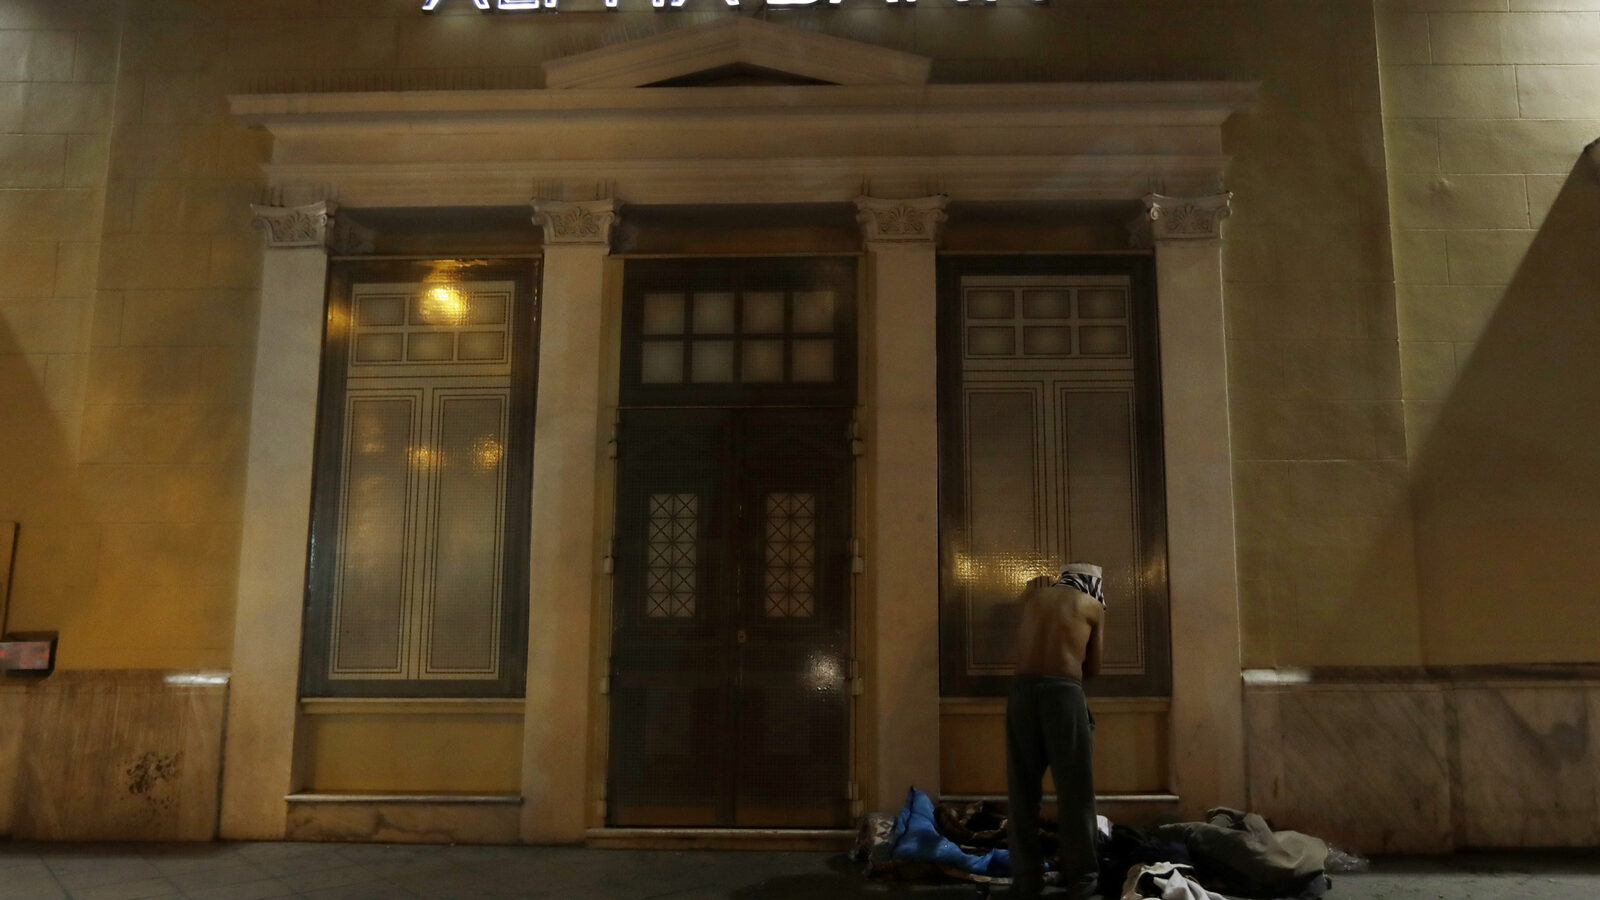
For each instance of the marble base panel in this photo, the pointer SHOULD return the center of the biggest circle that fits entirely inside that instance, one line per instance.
(13, 708)
(406, 822)
(1429, 766)
(117, 755)
(1528, 766)
(1364, 768)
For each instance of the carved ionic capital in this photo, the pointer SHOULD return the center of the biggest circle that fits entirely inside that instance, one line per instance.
(312, 225)
(1181, 218)
(890, 222)
(580, 222)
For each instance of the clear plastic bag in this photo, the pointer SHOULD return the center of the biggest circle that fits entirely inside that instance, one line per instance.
(1341, 860)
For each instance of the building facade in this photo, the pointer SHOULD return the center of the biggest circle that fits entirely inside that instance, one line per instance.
(633, 425)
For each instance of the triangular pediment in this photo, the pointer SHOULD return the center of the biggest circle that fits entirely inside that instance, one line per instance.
(703, 53)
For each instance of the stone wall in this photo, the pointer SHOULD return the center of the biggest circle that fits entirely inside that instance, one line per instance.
(1488, 105)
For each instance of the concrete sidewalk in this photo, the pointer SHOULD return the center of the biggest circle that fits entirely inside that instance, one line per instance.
(30, 871)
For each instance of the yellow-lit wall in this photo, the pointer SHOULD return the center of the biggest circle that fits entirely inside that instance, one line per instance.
(128, 302)
(1488, 105)
(416, 747)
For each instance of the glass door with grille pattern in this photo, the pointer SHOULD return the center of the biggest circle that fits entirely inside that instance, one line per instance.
(729, 666)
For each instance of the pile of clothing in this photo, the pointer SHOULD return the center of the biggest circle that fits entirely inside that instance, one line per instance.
(1232, 853)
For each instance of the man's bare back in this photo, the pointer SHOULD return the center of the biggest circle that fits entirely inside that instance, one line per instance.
(1059, 631)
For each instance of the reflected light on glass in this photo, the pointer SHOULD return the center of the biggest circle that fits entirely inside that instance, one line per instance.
(422, 457)
(824, 673)
(444, 304)
(487, 453)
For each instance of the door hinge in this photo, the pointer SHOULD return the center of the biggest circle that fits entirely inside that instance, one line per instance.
(600, 805)
(852, 792)
(611, 445)
(858, 446)
(858, 561)
(605, 685)
(857, 684)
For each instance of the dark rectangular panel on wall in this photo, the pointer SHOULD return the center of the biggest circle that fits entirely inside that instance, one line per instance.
(1050, 452)
(417, 582)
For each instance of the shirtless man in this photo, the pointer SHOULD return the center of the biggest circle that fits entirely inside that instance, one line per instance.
(1059, 639)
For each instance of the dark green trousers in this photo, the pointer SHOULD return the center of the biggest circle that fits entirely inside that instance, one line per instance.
(1048, 726)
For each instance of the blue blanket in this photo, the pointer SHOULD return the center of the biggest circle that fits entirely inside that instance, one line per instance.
(916, 838)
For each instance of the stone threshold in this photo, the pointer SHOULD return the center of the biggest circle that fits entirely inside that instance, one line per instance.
(343, 797)
(720, 838)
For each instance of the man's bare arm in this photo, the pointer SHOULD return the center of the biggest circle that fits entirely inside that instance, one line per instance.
(1091, 655)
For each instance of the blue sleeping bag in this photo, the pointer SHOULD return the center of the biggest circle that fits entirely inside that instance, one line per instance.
(916, 838)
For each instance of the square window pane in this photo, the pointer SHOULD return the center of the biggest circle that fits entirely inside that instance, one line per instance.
(712, 362)
(376, 348)
(486, 309)
(763, 360)
(1047, 341)
(436, 346)
(813, 360)
(661, 362)
(763, 312)
(991, 341)
(813, 311)
(663, 314)
(483, 345)
(1046, 304)
(713, 313)
(380, 311)
(1102, 304)
(1103, 340)
(990, 304)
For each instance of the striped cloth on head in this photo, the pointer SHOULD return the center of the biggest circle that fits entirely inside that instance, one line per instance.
(1085, 577)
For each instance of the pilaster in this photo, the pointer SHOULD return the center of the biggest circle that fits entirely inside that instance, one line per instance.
(1207, 726)
(902, 494)
(263, 705)
(564, 559)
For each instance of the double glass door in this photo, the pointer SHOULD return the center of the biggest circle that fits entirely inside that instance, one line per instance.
(730, 664)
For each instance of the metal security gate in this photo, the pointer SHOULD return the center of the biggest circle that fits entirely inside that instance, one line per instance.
(729, 668)
(730, 656)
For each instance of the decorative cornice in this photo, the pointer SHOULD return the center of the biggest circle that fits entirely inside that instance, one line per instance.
(312, 225)
(1181, 218)
(580, 222)
(914, 221)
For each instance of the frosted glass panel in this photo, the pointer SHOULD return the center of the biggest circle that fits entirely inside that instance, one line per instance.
(990, 341)
(712, 361)
(1002, 495)
(713, 313)
(376, 348)
(468, 521)
(663, 314)
(483, 346)
(661, 362)
(763, 312)
(1099, 458)
(430, 346)
(1047, 341)
(813, 311)
(813, 360)
(487, 309)
(370, 595)
(1100, 304)
(763, 361)
(1047, 304)
(1103, 340)
(990, 304)
(379, 310)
